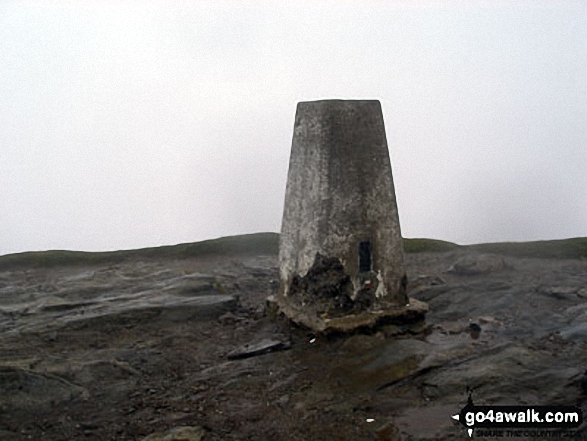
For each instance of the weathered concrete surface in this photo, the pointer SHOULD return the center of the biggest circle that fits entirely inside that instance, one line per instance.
(412, 313)
(340, 202)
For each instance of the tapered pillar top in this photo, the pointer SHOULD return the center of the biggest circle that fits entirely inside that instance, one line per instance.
(341, 249)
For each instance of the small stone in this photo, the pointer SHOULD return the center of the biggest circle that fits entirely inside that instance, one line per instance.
(420, 327)
(181, 433)
(426, 280)
(437, 280)
(228, 318)
(392, 330)
(559, 292)
(486, 319)
(474, 330)
(474, 327)
(259, 348)
(388, 432)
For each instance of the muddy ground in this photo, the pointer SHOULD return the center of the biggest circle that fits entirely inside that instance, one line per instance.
(124, 351)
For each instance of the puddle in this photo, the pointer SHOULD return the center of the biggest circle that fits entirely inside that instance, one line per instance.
(373, 366)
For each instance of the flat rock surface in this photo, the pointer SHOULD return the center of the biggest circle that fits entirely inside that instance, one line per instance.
(175, 348)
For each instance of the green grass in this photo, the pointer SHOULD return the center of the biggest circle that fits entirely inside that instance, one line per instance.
(268, 244)
(575, 248)
(428, 246)
(252, 244)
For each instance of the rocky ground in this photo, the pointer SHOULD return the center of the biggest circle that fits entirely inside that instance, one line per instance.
(183, 349)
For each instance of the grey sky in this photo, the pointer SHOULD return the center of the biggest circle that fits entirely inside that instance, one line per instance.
(134, 124)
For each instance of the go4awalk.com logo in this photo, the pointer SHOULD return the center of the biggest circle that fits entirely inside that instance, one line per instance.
(513, 421)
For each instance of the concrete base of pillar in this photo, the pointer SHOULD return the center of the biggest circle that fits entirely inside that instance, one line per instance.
(413, 312)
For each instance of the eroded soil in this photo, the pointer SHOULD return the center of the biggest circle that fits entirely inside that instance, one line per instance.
(120, 352)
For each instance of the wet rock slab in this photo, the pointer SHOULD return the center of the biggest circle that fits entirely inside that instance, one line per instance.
(106, 293)
(140, 349)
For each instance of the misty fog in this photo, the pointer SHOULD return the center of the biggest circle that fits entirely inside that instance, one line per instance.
(134, 124)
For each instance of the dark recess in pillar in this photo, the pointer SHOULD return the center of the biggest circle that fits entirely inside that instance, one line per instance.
(365, 253)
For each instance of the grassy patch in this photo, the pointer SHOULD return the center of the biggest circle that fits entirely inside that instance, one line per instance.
(268, 244)
(575, 248)
(252, 244)
(428, 246)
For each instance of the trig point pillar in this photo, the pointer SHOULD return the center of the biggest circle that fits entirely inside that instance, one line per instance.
(341, 252)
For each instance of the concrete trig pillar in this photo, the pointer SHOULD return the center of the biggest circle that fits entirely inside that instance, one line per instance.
(341, 252)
